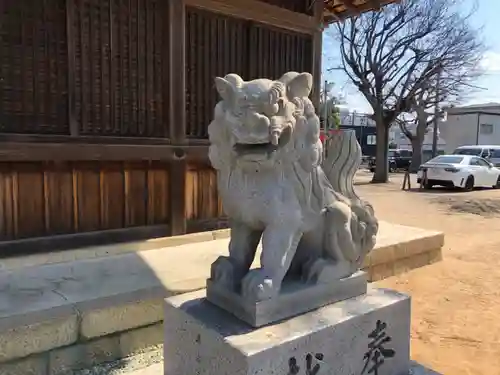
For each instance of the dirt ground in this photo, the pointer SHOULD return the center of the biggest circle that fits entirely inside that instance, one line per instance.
(456, 302)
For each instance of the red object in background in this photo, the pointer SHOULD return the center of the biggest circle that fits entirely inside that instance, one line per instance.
(324, 136)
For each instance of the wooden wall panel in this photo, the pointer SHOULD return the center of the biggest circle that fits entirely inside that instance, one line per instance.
(202, 199)
(136, 195)
(30, 199)
(8, 185)
(96, 69)
(112, 181)
(87, 191)
(158, 193)
(59, 204)
(43, 199)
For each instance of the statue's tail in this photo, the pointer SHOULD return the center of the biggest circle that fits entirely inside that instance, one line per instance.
(340, 166)
(343, 158)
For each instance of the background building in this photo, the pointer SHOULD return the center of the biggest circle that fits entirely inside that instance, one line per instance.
(401, 141)
(366, 133)
(471, 125)
(364, 127)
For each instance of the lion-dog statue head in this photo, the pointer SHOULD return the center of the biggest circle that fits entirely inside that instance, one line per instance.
(255, 122)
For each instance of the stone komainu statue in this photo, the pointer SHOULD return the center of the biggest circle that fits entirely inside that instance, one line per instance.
(275, 187)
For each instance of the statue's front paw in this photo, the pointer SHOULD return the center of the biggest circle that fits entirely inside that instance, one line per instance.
(222, 272)
(257, 287)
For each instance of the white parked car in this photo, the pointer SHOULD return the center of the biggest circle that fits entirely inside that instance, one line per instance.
(490, 153)
(462, 171)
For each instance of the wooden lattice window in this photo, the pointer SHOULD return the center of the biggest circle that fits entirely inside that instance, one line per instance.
(119, 74)
(276, 52)
(33, 67)
(215, 45)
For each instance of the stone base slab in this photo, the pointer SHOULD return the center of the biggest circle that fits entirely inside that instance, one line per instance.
(344, 338)
(295, 298)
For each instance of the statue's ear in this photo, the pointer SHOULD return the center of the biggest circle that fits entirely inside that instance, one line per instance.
(224, 88)
(300, 85)
(276, 92)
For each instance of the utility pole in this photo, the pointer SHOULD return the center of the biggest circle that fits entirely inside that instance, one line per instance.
(436, 113)
(325, 117)
(325, 106)
(328, 86)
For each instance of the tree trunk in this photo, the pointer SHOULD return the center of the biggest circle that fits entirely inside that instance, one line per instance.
(381, 174)
(416, 158)
(418, 139)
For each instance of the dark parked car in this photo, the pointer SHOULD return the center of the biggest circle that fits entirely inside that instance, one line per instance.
(398, 159)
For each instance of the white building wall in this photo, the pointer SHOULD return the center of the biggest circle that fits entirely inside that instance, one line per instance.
(400, 139)
(462, 130)
(459, 130)
(487, 137)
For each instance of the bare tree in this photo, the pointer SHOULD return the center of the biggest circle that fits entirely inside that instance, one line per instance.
(416, 127)
(394, 55)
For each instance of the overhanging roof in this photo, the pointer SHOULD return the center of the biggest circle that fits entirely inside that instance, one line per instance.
(338, 10)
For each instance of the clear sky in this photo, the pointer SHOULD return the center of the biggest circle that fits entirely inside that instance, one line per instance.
(486, 16)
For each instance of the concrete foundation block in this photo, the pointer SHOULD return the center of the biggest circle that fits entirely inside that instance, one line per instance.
(141, 340)
(38, 337)
(349, 337)
(83, 355)
(420, 260)
(435, 255)
(381, 255)
(402, 266)
(380, 271)
(119, 318)
(33, 365)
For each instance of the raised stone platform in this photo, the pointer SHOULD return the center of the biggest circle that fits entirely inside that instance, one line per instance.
(369, 334)
(79, 308)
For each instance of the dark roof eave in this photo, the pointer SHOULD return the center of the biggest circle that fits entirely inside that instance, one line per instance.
(332, 14)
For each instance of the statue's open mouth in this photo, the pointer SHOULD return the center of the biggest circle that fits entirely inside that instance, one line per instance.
(256, 148)
(263, 147)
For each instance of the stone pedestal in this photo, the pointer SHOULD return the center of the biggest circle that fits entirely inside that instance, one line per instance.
(365, 335)
(295, 298)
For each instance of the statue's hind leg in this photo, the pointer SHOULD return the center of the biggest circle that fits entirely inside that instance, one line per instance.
(339, 247)
(279, 243)
(230, 270)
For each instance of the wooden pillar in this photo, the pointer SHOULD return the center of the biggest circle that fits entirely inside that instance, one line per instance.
(177, 117)
(317, 52)
(70, 20)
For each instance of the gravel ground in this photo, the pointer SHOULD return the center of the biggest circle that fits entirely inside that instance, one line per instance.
(456, 303)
